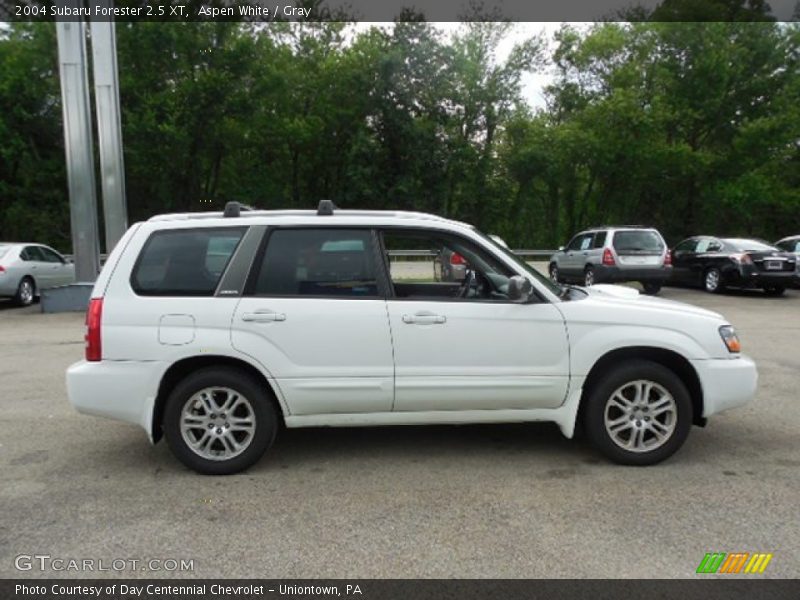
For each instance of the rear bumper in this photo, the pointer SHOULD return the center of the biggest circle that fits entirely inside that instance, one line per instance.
(121, 390)
(727, 383)
(607, 274)
(754, 278)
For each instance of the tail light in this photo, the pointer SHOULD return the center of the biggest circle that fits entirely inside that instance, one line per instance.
(743, 259)
(668, 258)
(94, 315)
(457, 259)
(608, 258)
(2, 269)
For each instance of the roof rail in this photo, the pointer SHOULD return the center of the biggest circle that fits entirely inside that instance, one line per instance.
(326, 208)
(234, 209)
(619, 227)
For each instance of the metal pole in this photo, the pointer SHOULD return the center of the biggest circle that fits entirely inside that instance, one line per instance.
(109, 130)
(78, 146)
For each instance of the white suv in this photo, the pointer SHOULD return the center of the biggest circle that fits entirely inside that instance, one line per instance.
(215, 329)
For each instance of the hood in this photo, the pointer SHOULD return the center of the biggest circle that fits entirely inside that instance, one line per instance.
(620, 295)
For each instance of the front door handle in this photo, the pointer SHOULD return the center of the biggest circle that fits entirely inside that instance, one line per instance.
(424, 319)
(263, 316)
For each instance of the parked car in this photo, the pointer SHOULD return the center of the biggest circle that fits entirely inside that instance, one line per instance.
(614, 255)
(27, 269)
(303, 324)
(792, 244)
(716, 263)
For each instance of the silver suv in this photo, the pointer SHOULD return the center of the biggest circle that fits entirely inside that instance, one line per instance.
(614, 255)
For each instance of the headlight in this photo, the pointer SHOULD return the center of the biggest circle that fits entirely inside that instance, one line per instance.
(730, 338)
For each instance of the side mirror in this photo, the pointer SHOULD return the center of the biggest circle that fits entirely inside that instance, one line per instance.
(519, 289)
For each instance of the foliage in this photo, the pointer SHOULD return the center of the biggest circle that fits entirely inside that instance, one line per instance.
(691, 127)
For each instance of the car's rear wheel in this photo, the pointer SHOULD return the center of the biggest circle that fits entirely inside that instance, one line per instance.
(588, 277)
(650, 288)
(640, 413)
(774, 290)
(26, 292)
(219, 421)
(712, 281)
(554, 273)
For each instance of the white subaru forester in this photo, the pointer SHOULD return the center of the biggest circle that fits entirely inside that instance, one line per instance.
(214, 329)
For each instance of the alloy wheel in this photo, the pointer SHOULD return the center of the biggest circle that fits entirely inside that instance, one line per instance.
(588, 279)
(26, 292)
(712, 280)
(218, 423)
(640, 416)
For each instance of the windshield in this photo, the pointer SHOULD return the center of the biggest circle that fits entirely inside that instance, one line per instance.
(553, 287)
(638, 241)
(750, 245)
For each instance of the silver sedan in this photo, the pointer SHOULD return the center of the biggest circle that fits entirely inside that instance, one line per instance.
(27, 269)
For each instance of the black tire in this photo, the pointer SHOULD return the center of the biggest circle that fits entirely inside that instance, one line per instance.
(601, 394)
(709, 277)
(26, 292)
(651, 288)
(774, 290)
(553, 270)
(266, 419)
(588, 276)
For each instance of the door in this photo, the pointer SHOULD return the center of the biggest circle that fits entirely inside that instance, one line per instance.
(683, 259)
(37, 266)
(576, 254)
(465, 346)
(314, 315)
(59, 271)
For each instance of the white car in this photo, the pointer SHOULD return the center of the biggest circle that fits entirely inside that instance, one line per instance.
(214, 329)
(27, 269)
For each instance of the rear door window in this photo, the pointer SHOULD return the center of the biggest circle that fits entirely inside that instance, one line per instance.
(32, 253)
(184, 262)
(599, 239)
(638, 242)
(337, 263)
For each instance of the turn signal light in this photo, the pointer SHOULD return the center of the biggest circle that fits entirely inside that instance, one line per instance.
(730, 338)
(608, 258)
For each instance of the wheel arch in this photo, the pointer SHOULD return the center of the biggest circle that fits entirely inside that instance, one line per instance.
(181, 368)
(672, 360)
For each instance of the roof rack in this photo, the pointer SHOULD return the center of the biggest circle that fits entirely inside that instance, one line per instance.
(234, 209)
(619, 227)
(326, 208)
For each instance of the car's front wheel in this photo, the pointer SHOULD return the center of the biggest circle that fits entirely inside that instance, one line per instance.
(640, 413)
(219, 421)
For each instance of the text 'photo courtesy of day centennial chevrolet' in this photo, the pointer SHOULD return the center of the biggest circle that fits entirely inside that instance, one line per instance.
(214, 330)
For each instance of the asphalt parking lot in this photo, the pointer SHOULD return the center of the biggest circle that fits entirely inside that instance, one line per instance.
(514, 501)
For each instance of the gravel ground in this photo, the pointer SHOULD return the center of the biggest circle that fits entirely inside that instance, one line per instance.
(513, 501)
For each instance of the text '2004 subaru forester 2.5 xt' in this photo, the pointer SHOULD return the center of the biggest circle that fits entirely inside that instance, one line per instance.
(214, 329)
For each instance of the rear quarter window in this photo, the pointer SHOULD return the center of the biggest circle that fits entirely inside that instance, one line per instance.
(184, 262)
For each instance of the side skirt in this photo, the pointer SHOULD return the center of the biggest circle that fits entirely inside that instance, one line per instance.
(564, 416)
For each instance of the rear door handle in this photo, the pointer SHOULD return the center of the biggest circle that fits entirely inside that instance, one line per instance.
(263, 316)
(424, 319)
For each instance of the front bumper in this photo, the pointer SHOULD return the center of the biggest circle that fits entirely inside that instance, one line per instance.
(121, 390)
(726, 382)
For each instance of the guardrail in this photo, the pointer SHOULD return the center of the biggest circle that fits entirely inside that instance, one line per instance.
(529, 254)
